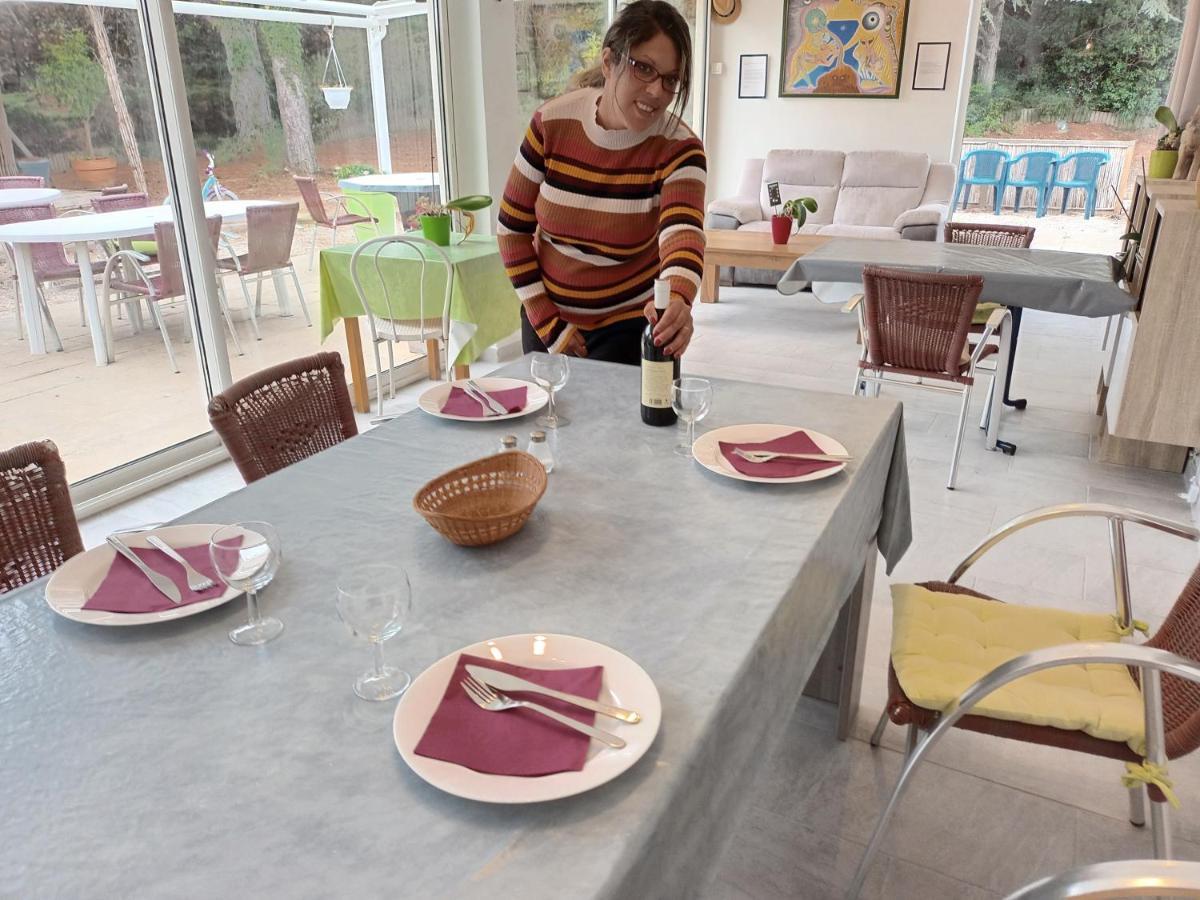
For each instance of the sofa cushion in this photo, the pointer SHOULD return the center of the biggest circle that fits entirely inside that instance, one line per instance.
(879, 185)
(876, 232)
(805, 173)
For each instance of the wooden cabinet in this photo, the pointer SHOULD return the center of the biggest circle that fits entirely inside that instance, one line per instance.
(1152, 403)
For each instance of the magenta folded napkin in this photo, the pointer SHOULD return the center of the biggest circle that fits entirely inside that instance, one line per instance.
(516, 741)
(126, 590)
(460, 403)
(796, 442)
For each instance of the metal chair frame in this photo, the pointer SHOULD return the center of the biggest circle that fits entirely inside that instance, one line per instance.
(1117, 878)
(396, 327)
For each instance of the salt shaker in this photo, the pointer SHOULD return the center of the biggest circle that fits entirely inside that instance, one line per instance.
(540, 449)
(508, 442)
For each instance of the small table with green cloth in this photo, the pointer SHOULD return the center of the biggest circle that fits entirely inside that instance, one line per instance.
(484, 307)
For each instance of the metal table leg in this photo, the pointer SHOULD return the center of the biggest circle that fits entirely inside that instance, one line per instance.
(1016, 331)
(1000, 389)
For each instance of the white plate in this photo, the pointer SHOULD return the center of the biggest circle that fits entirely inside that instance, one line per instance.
(707, 451)
(77, 579)
(435, 397)
(625, 684)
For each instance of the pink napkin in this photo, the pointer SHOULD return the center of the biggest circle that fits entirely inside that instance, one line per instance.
(126, 590)
(460, 403)
(796, 442)
(516, 741)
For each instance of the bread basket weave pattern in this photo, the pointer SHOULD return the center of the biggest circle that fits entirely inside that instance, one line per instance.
(484, 501)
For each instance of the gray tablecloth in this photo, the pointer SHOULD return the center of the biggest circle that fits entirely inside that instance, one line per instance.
(165, 761)
(1079, 284)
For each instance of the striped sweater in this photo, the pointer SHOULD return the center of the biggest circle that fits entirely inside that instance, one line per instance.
(591, 217)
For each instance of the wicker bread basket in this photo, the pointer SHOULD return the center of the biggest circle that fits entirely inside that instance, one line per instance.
(484, 501)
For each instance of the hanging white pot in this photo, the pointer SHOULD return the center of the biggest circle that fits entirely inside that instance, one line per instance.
(336, 91)
(337, 96)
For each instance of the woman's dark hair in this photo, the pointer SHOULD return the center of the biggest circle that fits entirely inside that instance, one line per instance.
(637, 23)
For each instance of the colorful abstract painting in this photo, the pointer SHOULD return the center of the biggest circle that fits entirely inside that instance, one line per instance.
(842, 48)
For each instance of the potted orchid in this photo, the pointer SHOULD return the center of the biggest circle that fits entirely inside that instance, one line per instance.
(1166, 154)
(797, 211)
(435, 218)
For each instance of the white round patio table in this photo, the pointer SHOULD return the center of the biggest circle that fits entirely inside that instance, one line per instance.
(392, 182)
(80, 230)
(10, 197)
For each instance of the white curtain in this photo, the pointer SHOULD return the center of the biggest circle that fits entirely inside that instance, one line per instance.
(1184, 96)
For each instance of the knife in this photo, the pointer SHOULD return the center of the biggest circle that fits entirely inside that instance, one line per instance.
(483, 396)
(506, 682)
(164, 584)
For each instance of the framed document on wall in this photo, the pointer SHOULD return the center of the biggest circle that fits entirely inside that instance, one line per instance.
(752, 76)
(931, 66)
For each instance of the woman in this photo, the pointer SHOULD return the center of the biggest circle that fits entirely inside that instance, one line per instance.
(606, 195)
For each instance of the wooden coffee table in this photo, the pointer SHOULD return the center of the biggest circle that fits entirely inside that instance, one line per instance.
(749, 248)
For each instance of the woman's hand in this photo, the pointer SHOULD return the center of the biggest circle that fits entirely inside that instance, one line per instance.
(575, 345)
(674, 331)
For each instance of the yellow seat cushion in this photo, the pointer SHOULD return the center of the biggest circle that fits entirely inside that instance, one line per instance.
(983, 312)
(944, 643)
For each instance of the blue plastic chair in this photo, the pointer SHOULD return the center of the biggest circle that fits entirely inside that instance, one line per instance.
(1085, 175)
(1038, 174)
(988, 171)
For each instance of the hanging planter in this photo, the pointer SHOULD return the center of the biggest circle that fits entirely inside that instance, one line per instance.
(337, 92)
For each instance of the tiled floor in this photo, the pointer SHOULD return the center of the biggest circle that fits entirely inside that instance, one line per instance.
(986, 816)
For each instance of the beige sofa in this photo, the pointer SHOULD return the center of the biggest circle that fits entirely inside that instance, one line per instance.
(871, 193)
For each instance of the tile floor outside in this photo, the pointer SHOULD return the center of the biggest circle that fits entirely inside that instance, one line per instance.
(986, 816)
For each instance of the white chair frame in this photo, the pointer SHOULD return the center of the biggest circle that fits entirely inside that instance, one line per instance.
(396, 329)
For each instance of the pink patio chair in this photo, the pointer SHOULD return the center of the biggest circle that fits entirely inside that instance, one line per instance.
(50, 263)
(125, 275)
(314, 201)
(115, 202)
(269, 232)
(21, 181)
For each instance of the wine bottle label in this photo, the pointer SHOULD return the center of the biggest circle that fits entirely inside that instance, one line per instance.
(657, 378)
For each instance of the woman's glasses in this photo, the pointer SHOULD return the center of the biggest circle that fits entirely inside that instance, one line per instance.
(647, 74)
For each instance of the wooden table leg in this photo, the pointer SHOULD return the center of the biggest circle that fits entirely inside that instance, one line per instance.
(433, 356)
(838, 675)
(710, 289)
(462, 371)
(358, 371)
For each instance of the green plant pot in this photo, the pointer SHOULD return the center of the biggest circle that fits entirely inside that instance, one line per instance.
(436, 229)
(1162, 163)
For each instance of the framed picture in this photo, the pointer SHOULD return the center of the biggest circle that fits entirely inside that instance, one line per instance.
(930, 67)
(752, 76)
(842, 48)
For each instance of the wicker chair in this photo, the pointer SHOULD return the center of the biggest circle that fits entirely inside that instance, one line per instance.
(269, 233)
(114, 189)
(38, 531)
(914, 326)
(21, 181)
(314, 200)
(284, 414)
(1179, 634)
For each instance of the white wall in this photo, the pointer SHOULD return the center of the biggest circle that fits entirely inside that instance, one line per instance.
(922, 121)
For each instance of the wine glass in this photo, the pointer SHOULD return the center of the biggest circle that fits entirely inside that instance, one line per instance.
(247, 556)
(691, 399)
(374, 601)
(550, 371)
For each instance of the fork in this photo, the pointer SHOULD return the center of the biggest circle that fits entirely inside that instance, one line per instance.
(492, 701)
(197, 581)
(762, 456)
(483, 396)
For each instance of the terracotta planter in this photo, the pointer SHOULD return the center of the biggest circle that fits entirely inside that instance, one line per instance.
(781, 228)
(94, 173)
(436, 229)
(1162, 163)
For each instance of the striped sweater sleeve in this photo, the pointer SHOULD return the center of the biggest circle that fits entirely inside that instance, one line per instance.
(681, 220)
(517, 227)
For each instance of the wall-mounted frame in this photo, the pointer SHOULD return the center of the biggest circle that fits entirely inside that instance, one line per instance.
(931, 66)
(843, 48)
(752, 76)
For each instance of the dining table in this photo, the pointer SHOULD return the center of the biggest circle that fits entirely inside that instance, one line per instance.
(164, 760)
(10, 197)
(484, 307)
(81, 231)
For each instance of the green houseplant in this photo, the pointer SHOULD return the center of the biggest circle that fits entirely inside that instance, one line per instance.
(435, 218)
(1166, 155)
(797, 211)
(72, 82)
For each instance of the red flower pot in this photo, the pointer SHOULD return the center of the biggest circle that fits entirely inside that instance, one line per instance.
(781, 229)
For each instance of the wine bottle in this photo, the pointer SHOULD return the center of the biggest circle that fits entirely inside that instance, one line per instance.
(659, 371)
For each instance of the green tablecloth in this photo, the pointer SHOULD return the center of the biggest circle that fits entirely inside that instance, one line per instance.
(482, 295)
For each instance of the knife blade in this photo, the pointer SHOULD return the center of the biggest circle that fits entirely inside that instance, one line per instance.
(506, 682)
(496, 406)
(164, 584)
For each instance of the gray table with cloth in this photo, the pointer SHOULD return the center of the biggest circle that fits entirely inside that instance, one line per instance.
(166, 761)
